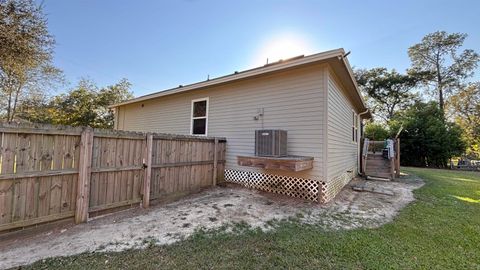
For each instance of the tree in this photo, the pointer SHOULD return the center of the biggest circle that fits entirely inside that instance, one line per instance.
(439, 60)
(376, 132)
(84, 105)
(35, 109)
(388, 91)
(465, 106)
(427, 139)
(26, 50)
(110, 95)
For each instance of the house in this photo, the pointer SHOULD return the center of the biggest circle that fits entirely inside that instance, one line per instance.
(314, 98)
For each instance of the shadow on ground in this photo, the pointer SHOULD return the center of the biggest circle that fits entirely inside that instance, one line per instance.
(210, 209)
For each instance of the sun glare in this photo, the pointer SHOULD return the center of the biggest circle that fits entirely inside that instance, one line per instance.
(282, 47)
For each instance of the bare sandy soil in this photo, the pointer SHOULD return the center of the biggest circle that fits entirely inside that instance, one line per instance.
(210, 209)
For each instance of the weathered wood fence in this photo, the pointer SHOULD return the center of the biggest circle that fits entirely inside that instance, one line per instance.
(49, 174)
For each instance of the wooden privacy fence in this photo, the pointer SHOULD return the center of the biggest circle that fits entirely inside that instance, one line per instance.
(48, 174)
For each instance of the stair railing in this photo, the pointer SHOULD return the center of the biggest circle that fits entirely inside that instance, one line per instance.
(391, 156)
(366, 143)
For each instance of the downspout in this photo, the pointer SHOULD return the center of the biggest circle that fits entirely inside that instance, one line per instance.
(360, 160)
(363, 112)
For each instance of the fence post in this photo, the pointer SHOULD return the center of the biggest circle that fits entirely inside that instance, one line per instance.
(84, 172)
(148, 171)
(215, 161)
(397, 158)
(392, 168)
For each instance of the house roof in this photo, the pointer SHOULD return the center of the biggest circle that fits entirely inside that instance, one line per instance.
(336, 58)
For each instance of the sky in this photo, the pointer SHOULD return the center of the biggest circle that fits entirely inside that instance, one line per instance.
(158, 45)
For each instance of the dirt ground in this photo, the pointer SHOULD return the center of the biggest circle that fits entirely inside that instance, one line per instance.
(164, 224)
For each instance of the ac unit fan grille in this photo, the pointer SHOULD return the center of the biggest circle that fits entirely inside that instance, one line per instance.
(271, 143)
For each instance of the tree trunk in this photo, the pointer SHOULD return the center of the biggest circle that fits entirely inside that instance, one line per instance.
(14, 108)
(9, 106)
(391, 112)
(440, 86)
(440, 99)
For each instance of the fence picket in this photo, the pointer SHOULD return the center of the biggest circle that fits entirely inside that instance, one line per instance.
(48, 174)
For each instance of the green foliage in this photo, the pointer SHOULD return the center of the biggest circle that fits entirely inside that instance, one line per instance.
(440, 230)
(84, 105)
(34, 110)
(26, 52)
(388, 91)
(465, 108)
(427, 139)
(375, 131)
(24, 38)
(438, 60)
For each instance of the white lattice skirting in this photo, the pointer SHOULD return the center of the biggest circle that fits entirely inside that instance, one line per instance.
(309, 189)
(335, 185)
(287, 185)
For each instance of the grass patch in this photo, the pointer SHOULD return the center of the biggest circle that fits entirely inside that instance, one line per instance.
(440, 230)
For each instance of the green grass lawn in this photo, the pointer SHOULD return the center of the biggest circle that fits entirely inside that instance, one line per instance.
(440, 230)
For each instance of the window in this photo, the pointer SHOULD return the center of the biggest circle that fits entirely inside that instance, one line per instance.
(354, 127)
(199, 117)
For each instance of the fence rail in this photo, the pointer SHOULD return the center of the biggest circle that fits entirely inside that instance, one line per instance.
(466, 167)
(51, 173)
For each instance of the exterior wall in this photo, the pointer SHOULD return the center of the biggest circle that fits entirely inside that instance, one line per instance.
(342, 152)
(293, 100)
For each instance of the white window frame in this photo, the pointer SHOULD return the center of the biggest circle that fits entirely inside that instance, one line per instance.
(202, 117)
(355, 127)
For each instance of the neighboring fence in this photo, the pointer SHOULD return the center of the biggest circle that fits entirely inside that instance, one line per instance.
(49, 174)
(466, 167)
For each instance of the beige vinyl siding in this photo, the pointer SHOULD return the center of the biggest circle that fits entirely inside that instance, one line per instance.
(292, 100)
(342, 152)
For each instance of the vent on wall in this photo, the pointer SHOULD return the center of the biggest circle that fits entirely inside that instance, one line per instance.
(271, 143)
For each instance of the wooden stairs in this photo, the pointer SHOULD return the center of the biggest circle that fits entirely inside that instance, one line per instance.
(379, 166)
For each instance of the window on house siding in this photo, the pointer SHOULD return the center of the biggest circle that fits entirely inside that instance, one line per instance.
(354, 127)
(199, 117)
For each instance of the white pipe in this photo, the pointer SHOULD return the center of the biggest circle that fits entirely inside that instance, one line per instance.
(363, 112)
(360, 161)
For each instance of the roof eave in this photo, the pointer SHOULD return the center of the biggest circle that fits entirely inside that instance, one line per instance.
(352, 77)
(238, 76)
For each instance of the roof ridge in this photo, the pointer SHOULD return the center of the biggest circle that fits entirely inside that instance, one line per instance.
(278, 65)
